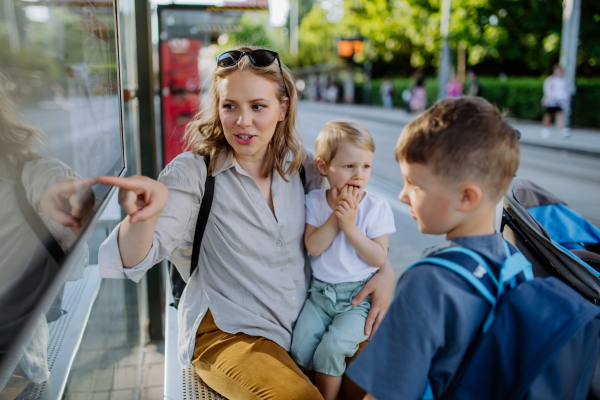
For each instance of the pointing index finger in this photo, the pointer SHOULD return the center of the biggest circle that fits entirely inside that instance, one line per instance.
(124, 183)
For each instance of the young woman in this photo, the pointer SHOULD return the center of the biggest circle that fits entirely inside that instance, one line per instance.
(238, 309)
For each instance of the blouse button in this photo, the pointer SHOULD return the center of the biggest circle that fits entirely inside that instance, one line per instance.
(278, 243)
(283, 269)
(294, 298)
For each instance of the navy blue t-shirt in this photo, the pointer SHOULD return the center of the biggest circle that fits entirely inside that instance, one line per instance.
(428, 327)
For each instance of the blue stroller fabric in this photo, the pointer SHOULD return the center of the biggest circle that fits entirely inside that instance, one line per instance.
(540, 340)
(565, 226)
(555, 239)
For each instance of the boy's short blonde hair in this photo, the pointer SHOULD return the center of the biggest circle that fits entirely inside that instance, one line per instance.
(463, 139)
(335, 133)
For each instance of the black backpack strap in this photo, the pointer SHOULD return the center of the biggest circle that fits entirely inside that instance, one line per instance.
(303, 176)
(203, 214)
(35, 222)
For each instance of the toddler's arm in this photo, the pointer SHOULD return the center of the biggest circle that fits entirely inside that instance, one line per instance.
(372, 251)
(317, 240)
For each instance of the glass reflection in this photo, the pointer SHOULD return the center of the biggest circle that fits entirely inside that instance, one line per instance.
(60, 127)
(45, 206)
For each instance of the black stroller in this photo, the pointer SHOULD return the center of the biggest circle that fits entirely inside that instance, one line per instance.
(555, 239)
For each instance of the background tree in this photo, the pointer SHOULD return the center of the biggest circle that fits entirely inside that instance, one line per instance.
(517, 37)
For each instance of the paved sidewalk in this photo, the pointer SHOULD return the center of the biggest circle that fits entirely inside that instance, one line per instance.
(582, 140)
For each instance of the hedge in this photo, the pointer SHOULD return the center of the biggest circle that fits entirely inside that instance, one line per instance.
(519, 97)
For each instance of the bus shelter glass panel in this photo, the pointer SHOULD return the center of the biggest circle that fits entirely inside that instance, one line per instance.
(60, 127)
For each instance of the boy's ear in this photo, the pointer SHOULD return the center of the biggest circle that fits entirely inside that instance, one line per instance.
(321, 166)
(471, 196)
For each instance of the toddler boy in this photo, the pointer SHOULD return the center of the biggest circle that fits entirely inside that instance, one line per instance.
(346, 237)
(457, 160)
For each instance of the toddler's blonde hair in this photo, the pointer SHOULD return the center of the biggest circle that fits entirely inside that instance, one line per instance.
(335, 133)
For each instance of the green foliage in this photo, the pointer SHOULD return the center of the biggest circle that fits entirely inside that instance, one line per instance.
(521, 98)
(316, 39)
(585, 109)
(252, 31)
(518, 97)
(530, 32)
(519, 37)
(589, 32)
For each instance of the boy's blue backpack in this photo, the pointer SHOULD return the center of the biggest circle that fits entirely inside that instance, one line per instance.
(539, 341)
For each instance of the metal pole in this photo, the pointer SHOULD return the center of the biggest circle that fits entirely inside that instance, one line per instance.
(148, 149)
(368, 68)
(444, 68)
(568, 49)
(13, 31)
(294, 28)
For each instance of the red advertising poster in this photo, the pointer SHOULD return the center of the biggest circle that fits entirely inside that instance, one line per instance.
(180, 91)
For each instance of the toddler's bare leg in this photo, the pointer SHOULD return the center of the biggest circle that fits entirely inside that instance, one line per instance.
(328, 385)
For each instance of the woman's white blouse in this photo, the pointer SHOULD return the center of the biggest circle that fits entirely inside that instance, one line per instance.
(252, 272)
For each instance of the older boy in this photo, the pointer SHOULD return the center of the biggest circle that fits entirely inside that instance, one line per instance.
(457, 160)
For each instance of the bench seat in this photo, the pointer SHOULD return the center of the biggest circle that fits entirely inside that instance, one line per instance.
(180, 383)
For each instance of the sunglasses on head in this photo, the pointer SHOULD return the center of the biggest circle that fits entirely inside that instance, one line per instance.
(258, 58)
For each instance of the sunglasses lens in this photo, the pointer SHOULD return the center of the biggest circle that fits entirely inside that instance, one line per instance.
(262, 58)
(228, 58)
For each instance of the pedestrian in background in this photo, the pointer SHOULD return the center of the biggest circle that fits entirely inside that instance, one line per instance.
(387, 92)
(332, 93)
(473, 88)
(418, 98)
(556, 96)
(454, 87)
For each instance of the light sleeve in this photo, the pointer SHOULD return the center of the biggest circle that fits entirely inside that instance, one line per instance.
(381, 220)
(186, 187)
(312, 210)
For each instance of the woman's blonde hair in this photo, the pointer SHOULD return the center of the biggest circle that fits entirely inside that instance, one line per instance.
(18, 139)
(204, 134)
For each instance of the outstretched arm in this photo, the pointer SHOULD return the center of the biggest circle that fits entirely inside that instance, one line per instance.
(143, 199)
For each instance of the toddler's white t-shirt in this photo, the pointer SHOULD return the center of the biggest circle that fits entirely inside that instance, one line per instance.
(340, 262)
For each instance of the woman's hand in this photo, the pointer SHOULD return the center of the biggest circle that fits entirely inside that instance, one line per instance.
(141, 197)
(380, 288)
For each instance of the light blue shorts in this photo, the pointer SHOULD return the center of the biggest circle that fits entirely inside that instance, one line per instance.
(329, 328)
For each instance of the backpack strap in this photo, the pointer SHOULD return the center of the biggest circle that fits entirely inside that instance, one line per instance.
(475, 270)
(303, 176)
(514, 266)
(203, 214)
(469, 265)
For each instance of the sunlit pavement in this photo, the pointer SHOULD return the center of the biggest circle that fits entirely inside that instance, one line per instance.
(566, 167)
